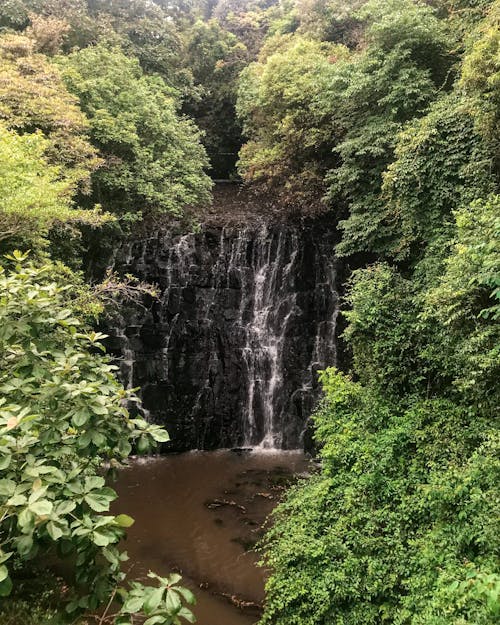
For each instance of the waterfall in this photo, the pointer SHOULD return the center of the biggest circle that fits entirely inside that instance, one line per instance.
(272, 304)
(228, 355)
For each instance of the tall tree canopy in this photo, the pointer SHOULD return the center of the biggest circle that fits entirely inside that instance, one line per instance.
(153, 157)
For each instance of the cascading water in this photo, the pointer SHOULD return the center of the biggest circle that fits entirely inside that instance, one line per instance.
(228, 354)
(272, 302)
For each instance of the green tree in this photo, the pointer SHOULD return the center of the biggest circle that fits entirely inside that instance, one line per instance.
(289, 136)
(316, 116)
(396, 77)
(153, 159)
(62, 416)
(33, 98)
(34, 196)
(215, 58)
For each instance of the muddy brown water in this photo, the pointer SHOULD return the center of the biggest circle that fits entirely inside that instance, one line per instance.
(200, 513)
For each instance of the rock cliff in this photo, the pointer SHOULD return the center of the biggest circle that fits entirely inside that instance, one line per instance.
(229, 352)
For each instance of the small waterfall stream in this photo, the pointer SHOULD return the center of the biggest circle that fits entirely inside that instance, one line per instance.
(228, 354)
(273, 299)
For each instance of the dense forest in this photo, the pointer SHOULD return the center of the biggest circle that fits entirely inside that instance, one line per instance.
(117, 116)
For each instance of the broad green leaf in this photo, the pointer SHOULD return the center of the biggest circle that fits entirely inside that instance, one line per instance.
(155, 620)
(80, 418)
(100, 539)
(7, 487)
(26, 520)
(55, 532)
(41, 508)
(123, 520)
(97, 501)
(174, 578)
(153, 600)
(24, 545)
(132, 605)
(93, 482)
(65, 507)
(4, 572)
(6, 587)
(17, 500)
(186, 614)
(5, 461)
(187, 594)
(160, 436)
(172, 601)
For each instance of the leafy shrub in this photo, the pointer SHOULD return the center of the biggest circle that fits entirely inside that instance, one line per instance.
(399, 527)
(62, 415)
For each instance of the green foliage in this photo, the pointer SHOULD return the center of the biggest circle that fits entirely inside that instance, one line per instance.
(153, 157)
(331, 20)
(34, 196)
(394, 80)
(481, 76)
(215, 57)
(290, 137)
(435, 332)
(400, 526)
(249, 20)
(33, 98)
(383, 330)
(309, 107)
(441, 163)
(62, 416)
(141, 27)
(465, 302)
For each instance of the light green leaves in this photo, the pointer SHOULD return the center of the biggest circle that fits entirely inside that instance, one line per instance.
(100, 499)
(6, 587)
(154, 599)
(162, 604)
(123, 520)
(4, 572)
(41, 508)
(61, 416)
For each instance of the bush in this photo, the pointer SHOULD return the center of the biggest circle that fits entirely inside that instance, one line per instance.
(63, 416)
(401, 524)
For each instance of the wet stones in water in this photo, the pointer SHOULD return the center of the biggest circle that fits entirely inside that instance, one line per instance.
(213, 504)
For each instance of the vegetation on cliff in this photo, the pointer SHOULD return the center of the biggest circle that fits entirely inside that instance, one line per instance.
(401, 524)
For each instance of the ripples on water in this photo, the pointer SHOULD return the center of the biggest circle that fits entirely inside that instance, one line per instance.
(200, 513)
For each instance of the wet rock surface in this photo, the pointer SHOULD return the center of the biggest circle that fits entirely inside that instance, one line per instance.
(228, 354)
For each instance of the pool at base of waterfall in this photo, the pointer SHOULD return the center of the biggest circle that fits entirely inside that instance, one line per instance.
(201, 514)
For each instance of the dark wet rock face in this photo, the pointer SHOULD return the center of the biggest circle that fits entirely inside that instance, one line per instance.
(228, 354)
